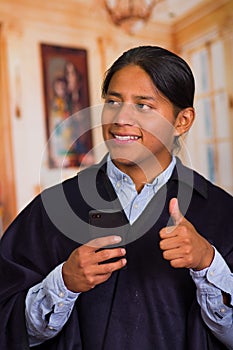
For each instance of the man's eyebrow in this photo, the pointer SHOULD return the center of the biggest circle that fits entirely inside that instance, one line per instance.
(137, 97)
(144, 97)
(113, 93)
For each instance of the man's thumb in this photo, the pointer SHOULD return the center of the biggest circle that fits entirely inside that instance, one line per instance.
(174, 211)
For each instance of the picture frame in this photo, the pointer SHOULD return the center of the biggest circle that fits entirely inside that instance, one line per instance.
(66, 100)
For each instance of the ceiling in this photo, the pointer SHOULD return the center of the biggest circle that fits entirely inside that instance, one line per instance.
(165, 11)
(170, 10)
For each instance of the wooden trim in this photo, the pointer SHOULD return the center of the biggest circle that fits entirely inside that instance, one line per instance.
(7, 178)
(199, 12)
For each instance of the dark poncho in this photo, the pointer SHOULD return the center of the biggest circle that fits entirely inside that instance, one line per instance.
(146, 306)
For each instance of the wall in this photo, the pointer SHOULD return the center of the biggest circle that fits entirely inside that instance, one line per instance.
(201, 31)
(79, 24)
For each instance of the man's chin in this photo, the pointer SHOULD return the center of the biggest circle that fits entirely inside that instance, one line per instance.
(118, 161)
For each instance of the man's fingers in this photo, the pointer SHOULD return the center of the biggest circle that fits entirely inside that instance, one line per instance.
(168, 232)
(102, 242)
(170, 243)
(107, 254)
(175, 212)
(106, 269)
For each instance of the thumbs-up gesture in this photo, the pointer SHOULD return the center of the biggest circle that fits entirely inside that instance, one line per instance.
(182, 245)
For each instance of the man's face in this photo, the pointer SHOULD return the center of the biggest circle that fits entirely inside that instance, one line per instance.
(138, 121)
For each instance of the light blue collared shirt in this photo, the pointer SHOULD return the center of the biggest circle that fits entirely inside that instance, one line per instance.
(51, 297)
(132, 202)
(211, 282)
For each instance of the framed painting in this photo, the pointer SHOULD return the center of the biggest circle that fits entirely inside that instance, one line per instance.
(66, 96)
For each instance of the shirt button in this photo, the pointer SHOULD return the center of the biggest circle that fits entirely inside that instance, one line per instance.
(125, 179)
(118, 184)
(60, 304)
(223, 310)
(61, 295)
(211, 273)
(50, 327)
(135, 206)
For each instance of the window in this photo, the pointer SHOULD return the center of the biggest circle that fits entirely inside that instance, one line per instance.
(210, 141)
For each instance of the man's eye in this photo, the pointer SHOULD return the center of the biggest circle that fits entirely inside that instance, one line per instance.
(113, 103)
(142, 106)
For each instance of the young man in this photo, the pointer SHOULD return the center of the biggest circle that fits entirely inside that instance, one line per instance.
(170, 287)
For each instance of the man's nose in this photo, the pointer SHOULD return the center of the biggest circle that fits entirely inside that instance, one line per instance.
(125, 114)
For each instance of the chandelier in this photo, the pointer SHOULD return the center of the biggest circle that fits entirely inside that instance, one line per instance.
(130, 14)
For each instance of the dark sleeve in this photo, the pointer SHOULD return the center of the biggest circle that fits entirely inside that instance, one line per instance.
(30, 248)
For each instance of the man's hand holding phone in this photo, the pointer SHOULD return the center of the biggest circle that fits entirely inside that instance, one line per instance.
(85, 269)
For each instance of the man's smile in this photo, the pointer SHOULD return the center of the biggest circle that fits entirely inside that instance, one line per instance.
(125, 137)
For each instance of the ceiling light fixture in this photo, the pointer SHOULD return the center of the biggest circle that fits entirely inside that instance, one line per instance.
(131, 15)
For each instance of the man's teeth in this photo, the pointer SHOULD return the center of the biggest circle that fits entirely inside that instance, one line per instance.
(126, 138)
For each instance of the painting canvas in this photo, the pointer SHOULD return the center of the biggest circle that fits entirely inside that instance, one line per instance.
(66, 94)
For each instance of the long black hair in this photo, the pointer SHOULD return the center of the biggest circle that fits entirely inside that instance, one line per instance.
(170, 74)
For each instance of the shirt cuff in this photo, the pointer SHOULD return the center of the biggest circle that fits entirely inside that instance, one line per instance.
(58, 291)
(217, 274)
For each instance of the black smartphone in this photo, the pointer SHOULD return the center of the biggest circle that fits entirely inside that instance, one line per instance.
(104, 223)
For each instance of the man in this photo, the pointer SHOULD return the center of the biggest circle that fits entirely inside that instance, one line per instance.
(66, 292)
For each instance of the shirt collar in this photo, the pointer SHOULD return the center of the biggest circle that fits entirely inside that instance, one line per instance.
(181, 173)
(117, 176)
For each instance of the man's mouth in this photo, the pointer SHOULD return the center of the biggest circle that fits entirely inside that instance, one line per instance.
(126, 137)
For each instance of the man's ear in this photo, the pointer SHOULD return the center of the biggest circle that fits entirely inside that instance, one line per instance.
(184, 121)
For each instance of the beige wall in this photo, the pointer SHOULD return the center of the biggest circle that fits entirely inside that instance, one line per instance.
(202, 30)
(27, 24)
